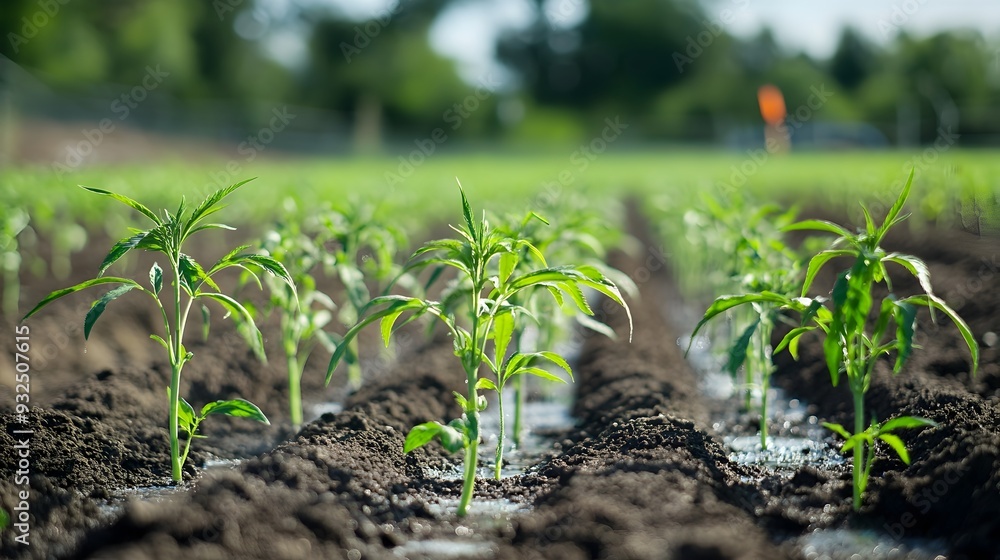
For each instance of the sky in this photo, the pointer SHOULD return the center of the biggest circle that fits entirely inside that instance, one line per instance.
(466, 32)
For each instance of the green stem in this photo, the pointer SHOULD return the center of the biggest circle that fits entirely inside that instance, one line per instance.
(294, 389)
(859, 412)
(519, 391)
(471, 461)
(354, 369)
(499, 455)
(763, 413)
(175, 378)
(765, 382)
(175, 460)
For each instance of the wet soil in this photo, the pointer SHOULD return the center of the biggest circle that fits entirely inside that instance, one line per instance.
(642, 474)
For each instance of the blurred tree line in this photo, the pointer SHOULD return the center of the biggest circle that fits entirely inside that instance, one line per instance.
(666, 66)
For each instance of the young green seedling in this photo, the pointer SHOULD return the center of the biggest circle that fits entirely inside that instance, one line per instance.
(851, 345)
(303, 311)
(167, 236)
(573, 234)
(485, 260)
(363, 249)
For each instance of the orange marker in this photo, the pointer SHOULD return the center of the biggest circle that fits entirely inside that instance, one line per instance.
(772, 104)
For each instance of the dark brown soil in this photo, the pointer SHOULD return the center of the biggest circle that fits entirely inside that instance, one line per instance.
(642, 474)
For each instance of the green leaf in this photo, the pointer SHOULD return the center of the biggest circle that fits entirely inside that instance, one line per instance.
(209, 207)
(128, 201)
(725, 303)
(98, 308)
(906, 422)
(738, 351)
(792, 341)
(160, 340)
(386, 325)
(119, 250)
(508, 262)
(819, 225)
(816, 263)
(537, 372)
(929, 300)
(354, 282)
(897, 445)
(156, 278)
(503, 331)
(589, 322)
(238, 408)
(185, 416)
(485, 384)
(915, 266)
(838, 429)
(206, 322)
(467, 214)
(834, 354)
(869, 223)
(193, 275)
(81, 286)
(396, 305)
(897, 207)
(453, 436)
(420, 435)
(256, 339)
(905, 315)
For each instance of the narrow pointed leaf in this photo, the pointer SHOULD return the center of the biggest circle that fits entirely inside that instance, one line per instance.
(395, 305)
(816, 264)
(156, 278)
(486, 384)
(238, 408)
(905, 315)
(128, 201)
(160, 340)
(210, 206)
(503, 331)
(725, 303)
(837, 428)
(738, 351)
(906, 422)
(119, 250)
(97, 309)
(939, 304)
(255, 338)
(897, 207)
(915, 266)
(81, 286)
(897, 445)
(206, 322)
(819, 225)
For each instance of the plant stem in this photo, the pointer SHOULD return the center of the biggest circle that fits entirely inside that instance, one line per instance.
(354, 369)
(294, 389)
(859, 414)
(175, 377)
(519, 391)
(175, 459)
(499, 455)
(471, 461)
(763, 413)
(765, 382)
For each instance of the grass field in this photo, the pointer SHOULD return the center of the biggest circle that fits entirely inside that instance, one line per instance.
(427, 188)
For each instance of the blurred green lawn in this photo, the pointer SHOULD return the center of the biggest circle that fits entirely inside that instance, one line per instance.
(424, 187)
